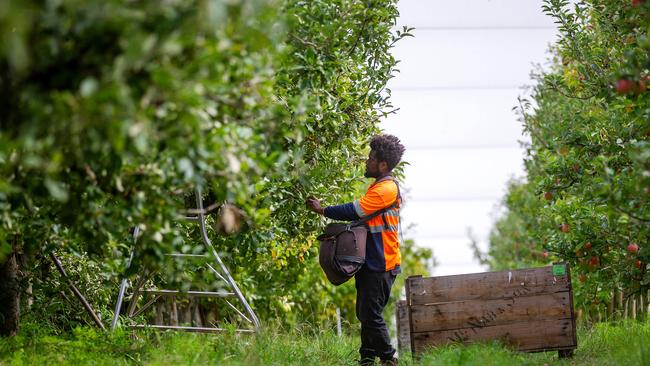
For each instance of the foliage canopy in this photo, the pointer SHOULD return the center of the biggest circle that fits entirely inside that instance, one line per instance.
(114, 111)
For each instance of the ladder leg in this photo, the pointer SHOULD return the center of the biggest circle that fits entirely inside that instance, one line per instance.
(76, 291)
(118, 306)
(124, 283)
(206, 240)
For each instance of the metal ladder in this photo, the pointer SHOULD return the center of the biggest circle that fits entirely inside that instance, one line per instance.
(221, 272)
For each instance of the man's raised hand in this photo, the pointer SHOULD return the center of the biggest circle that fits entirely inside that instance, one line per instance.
(313, 204)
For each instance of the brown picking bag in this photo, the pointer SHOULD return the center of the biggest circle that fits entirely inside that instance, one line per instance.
(342, 251)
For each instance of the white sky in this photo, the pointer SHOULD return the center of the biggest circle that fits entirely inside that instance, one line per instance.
(460, 77)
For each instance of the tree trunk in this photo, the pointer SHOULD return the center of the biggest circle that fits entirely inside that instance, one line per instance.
(9, 296)
(611, 306)
(160, 313)
(196, 314)
(174, 312)
(619, 303)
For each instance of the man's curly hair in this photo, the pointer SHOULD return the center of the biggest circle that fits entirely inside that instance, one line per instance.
(388, 148)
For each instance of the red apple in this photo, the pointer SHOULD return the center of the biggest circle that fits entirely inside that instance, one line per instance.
(637, 2)
(593, 261)
(637, 264)
(625, 86)
(582, 277)
(588, 246)
(564, 228)
(549, 196)
(632, 248)
(545, 254)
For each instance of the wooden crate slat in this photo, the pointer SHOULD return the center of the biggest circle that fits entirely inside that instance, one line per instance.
(524, 336)
(481, 313)
(403, 328)
(485, 286)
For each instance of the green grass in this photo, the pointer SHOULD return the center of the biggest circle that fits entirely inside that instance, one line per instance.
(603, 344)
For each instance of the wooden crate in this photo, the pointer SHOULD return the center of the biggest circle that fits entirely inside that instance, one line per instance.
(528, 309)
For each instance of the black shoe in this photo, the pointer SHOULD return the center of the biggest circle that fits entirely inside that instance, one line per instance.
(391, 362)
(367, 361)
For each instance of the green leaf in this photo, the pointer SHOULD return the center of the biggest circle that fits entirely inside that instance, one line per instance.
(57, 190)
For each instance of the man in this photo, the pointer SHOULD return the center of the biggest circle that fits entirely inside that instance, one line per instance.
(375, 279)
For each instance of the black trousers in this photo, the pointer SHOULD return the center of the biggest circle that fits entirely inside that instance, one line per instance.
(373, 292)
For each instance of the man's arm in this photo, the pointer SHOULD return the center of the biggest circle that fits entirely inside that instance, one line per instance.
(344, 212)
(377, 198)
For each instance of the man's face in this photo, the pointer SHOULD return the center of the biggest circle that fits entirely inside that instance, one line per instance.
(372, 166)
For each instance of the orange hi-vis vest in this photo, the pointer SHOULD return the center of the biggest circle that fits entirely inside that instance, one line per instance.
(382, 247)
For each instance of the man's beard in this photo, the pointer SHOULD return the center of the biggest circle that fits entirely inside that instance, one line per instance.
(368, 174)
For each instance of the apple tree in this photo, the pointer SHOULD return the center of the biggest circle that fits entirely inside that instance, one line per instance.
(585, 198)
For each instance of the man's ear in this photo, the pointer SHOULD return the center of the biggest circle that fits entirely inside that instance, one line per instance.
(383, 166)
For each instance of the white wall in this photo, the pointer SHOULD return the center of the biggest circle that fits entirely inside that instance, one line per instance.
(460, 77)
